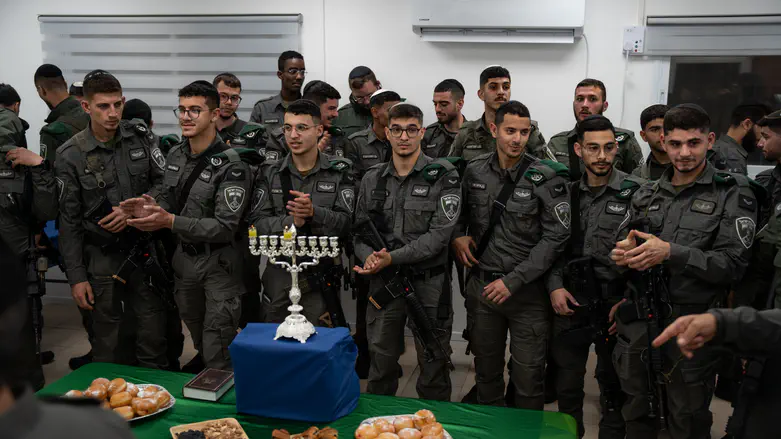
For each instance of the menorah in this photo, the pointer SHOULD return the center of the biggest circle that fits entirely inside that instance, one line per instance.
(295, 326)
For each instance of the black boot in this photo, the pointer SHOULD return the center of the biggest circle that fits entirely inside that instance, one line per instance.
(471, 396)
(195, 366)
(77, 362)
(47, 357)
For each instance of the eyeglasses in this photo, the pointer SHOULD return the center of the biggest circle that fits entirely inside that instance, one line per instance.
(411, 131)
(294, 71)
(362, 99)
(230, 98)
(594, 149)
(300, 128)
(193, 112)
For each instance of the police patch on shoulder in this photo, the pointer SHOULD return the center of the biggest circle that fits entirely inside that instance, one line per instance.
(450, 204)
(272, 155)
(558, 190)
(348, 196)
(703, 206)
(746, 229)
(42, 149)
(747, 203)
(562, 213)
(141, 129)
(615, 208)
(621, 137)
(206, 175)
(216, 161)
(451, 182)
(158, 158)
(234, 197)
(235, 175)
(250, 134)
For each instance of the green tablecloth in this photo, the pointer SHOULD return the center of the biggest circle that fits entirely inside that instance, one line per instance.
(462, 421)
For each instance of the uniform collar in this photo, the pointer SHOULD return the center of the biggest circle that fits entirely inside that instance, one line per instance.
(614, 182)
(513, 172)
(23, 417)
(93, 142)
(186, 146)
(69, 104)
(734, 144)
(372, 137)
(235, 127)
(288, 165)
(706, 177)
(422, 162)
(482, 125)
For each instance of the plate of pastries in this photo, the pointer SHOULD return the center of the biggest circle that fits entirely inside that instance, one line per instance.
(131, 401)
(422, 425)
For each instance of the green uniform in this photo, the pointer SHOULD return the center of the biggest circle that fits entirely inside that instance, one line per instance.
(522, 247)
(276, 146)
(437, 140)
(353, 118)
(475, 138)
(733, 153)
(12, 129)
(97, 176)
(416, 217)
(64, 121)
(331, 186)
(207, 261)
(364, 149)
(269, 112)
(651, 169)
(629, 157)
(710, 225)
(602, 210)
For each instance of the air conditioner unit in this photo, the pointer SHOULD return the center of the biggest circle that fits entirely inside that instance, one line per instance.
(499, 21)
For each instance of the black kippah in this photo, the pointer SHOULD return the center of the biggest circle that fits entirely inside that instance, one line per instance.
(360, 71)
(48, 71)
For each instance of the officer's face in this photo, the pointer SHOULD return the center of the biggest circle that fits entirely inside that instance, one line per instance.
(512, 135)
(588, 101)
(652, 134)
(495, 92)
(598, 151)
(447, 107)
(380, 113)
(329, 111)
(405, 135)
(301, 133)
(191, 124)
(229, 100)
(770, 143)
(687, 148)
(105, 109)
(293, 75)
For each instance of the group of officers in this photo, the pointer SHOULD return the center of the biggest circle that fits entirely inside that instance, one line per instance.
(564, 244)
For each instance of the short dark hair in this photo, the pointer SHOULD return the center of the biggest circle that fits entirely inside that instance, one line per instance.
(319, 92)
(8, 95)
(591, 82)
(304, 106)
(493, 72)
(286, 55)
(511, 107)
(405, 111)
(100, 81)
(137, 109)
(203, 89)
(596, 122)
(49, 77)
(687, 117)
(379, 98)
(453, 86)
(229, 79)
(656, 111)
(753, 112)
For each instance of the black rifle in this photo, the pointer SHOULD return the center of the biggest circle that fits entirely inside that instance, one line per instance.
(330, 280)
(145, 253)
(37, 265)
(398, 284)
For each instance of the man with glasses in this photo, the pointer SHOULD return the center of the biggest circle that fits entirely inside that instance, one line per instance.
(204, 194)
(110, 161)
(291, 72)
(357, 115)
(234, 131)
(315, 193)
(414, 201)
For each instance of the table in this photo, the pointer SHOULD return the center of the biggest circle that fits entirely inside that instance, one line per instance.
(462, 421)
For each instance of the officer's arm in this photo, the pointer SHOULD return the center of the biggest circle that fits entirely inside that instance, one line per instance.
(362, 251)
(748, 331)
(437, 238)
(71, 229)
(727, 259)
(223, 227)
(46, 194)
(156, 171)
(50, 144)
(257, 115)
(337, 221)
(457, 147)
(462, 225)
(164, 195)
(351, 153)
(262, 206)
(555, 277)
(555, 234)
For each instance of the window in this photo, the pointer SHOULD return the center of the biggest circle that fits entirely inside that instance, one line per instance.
(719, 84)
(154, 56)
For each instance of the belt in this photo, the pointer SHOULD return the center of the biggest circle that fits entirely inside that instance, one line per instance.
(427, 274)
(199, 248)
(487, 276)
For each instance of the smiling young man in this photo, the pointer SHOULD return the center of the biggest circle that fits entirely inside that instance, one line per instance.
(270, 112)
(315, 193)
(448, 102)
(110, 161)
(513, 228)
(700, 226)
(474, 137)
(590, 99)
(204, 194)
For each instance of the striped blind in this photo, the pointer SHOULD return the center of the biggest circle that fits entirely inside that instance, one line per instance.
(154, 56)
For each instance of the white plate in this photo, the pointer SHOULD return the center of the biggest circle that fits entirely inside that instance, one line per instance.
(162, 409)
(393, 418)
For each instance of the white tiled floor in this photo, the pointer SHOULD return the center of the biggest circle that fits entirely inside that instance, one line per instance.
(64, 335)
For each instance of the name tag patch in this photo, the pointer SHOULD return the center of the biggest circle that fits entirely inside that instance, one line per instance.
(271, 121)
(174, 168)
(420, 191)
(369, 156)
(479, 186)
(276, 191)
(615, 208)
(473, 147)
(702, 206)
(326, 186)
(137, 154)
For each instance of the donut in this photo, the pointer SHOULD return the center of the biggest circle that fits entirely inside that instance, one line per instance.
(102, 381)
(410, 433)
(126, 412)
(434, 429)
(402, 422)
(384, 426)
(116, 386)
(74, 394)
(132, 389)
(121, 399)
(366, 431)
(143, 406)
(96, 391)
(388, 436)
(424, 417)
(161, 399)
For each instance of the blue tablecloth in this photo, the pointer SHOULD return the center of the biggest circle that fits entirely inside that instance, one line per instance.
(313, 381)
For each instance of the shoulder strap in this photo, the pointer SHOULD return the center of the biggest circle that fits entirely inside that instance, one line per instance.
(199, 167)
(499, 205)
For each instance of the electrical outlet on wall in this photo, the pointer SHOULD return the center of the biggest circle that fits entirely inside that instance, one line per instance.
(634, 39)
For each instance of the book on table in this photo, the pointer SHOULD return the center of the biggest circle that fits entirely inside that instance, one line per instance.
(209, 385)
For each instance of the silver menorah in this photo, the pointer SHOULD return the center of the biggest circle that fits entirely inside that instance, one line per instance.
(295, 326)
